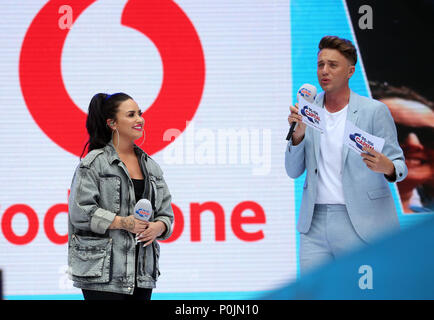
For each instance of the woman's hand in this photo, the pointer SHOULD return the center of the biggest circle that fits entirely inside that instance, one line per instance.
(129, 223)
(154, 230)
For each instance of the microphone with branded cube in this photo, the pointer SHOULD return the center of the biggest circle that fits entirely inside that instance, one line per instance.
(308, 93)
(143, 210)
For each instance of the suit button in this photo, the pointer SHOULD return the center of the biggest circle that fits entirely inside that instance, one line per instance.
(316, 170)
(400, 174)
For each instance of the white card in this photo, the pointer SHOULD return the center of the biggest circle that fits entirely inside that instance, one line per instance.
(355, 138)
(313, 116)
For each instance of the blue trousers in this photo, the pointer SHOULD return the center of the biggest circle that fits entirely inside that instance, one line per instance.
(331, 234)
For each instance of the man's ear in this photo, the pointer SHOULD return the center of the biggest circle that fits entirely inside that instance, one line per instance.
(351, 71)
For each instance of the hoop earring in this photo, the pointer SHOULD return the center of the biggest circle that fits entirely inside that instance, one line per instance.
(143, 140)
(113, 131)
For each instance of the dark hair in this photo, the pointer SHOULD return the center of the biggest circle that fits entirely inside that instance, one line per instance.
(344, 46)
(102, 106)
(382, 90)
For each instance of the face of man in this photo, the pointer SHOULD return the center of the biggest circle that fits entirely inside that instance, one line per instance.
(333, 70)
(415, 128)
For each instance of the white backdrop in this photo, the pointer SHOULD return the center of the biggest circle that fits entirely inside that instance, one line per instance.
(231, 152)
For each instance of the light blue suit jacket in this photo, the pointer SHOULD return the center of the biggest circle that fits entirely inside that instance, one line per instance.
(368, 197)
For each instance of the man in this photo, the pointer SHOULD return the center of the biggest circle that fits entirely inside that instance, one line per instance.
(346, 200)
(414, 119)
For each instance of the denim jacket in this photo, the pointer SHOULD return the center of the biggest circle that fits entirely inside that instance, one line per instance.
(105, 259)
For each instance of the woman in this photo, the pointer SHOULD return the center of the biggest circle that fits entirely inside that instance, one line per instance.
(104, 259)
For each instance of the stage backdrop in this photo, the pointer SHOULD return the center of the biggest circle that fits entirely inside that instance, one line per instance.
(215, 80)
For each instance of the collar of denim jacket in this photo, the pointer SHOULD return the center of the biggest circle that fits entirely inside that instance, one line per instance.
(139, 152)
(112, 155)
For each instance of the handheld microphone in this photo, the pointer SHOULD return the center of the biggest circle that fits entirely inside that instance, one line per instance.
(308, 92)
(143, 210)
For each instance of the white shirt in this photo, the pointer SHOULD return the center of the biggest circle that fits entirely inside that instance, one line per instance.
(330, 190)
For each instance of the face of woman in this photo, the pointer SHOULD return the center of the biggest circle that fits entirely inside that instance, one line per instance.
(129, 121)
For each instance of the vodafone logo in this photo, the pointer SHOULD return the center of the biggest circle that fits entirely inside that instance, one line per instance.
(163, 22)
(183, 76)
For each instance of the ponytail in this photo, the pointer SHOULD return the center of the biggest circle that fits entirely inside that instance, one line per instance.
(102, 106)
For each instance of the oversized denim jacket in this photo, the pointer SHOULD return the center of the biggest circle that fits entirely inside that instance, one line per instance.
(104, 259)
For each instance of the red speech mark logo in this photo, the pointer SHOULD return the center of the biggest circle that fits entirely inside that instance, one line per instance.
(163, 22)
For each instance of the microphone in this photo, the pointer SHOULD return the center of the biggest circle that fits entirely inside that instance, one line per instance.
(143, 210)
(308, 92)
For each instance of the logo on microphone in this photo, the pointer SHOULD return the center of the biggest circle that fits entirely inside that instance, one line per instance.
(305, 93)
(310, 114)
(361, 141)
(143, 213)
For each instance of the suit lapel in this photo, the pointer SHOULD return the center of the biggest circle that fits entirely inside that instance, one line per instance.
(352, 115)
(315, 133)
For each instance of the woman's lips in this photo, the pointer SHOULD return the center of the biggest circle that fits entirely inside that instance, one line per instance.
(138, 128)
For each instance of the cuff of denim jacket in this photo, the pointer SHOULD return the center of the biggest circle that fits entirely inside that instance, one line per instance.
(168, 225)
(101, 220)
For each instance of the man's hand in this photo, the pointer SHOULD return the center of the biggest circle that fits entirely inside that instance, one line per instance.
(300, 129)
(378, 162)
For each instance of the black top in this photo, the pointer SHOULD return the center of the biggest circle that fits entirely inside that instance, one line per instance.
(139, 188)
